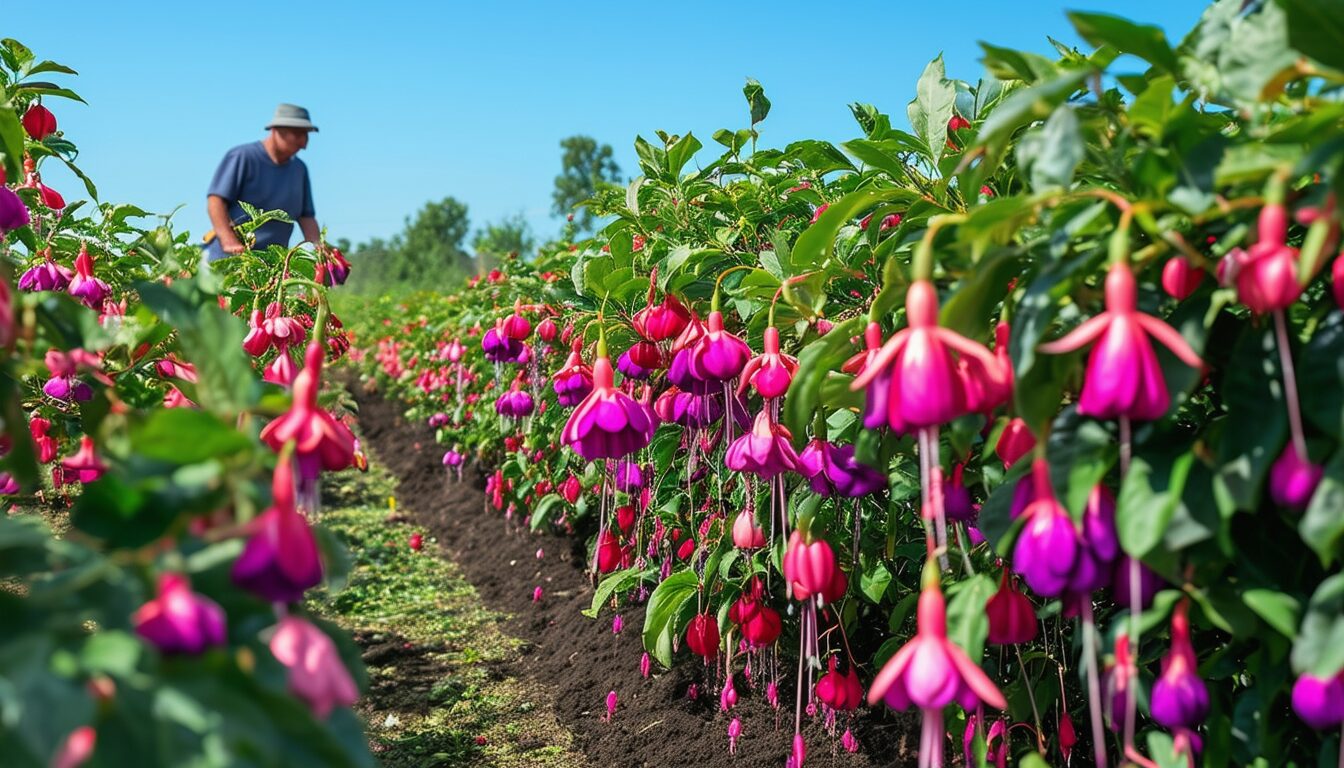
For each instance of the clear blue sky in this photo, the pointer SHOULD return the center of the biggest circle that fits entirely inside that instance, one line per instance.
(417, 101)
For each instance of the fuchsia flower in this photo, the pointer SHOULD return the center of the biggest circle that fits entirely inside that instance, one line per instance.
(516, 326)
(316, 674)
(1047, 549)
(13, 213)
(1266, 275)
(996, 742)
(841, 692)
(765, 451)
(663, 321)
(629, 368)
(1015, 441)
(1180, 278)
(1180, 700)
(499, 348)
(65, 383)
(281, 330)
(608, 424)
(759, 622)
(46, 445)
(77, 747)
(734, 733)
(547, 330)
(83, 465)
(811, 569)
(769, 373)
(179, 620)
(574, 380)
(46, 275)
(515, 403)
(1293, 479)
(832, 469)
(718, 356)
(1012, 619)
(1319, 702)
(84, 286)
(1123, 375)
(986, 388)
(702, 635)
(280, 559)
(913, 378)
(746, 533)
(628, 476)
(610, 553)
(281, 370)
(320, 441)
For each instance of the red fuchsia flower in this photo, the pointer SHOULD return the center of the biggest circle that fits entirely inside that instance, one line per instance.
(39, 122)
(83, 465)
(841, 692)
(832, 469)
(811, 569)
(769, 373)
(1319, 702)
(1336, 278)
(890, 221)
(1180, 278)
(1015, 441)
(320, 441)
(702, 635)
(452, 458)
(316, 674)
(609, 552)
(178, 620)
(46, 445)
(1180, 700)
(608, 424)
(547, 330)
(617, 624)
(765, 451)
(663, 321)
(13, 213)
(1123, 376)
(1047, 549)
(84, 286)
(647, 355)
(1012, 619)
(760, 624)
(416, 542)
(257, 340)
(280, 559)
(46, 275)
(718, 356)
(913, 377)
(746, 533)
(630, 369)
(76, 749)
(571, 489)
(996, 742)
(931, 672)
(1265, 275)
(1068, 736)
(1293, 479)
(516, 326)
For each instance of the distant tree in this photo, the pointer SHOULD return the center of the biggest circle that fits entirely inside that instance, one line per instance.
(432, 244)
(343, 245)
(585, 167)
(509, 235)
(374, 265)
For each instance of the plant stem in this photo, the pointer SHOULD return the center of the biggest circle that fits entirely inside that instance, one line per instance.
(1135, 599)
(1290, 385)
(1031, 697)
(1094, 684)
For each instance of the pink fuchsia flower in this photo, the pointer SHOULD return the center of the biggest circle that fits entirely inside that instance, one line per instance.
(1180, 278)
(611, 706)
(841, 692)
(280, 559)
(179, 620)
(316, 674)
(765, 451)
(717, 356)
(452, 458)
(987, 389)
(728, 696)
(1120, 674)
(832, 470)
(1266, 275)
(547, 330)
(281, 370)
(1015, 441)
(746, 533)
(1047, 549)
(84, 286)
(1012, 619)
(516, 326)
(46, 445)
(46, 275)
(1319, 702)
(996, 742)
(760, 624)
(536, 595)
(662, 321)
(608, 424)
(257, 340)
(913, 378)
(1123, 376)
(320, 441)
(811, 568)
(1180, 700)
(769, 373)
(76, 749)
(83, 465)
(1293, 479)
(13, 213)
(645, 665)
(702, 635)
(281, 331)
(849, 742)
(734, 733)
(574, 381)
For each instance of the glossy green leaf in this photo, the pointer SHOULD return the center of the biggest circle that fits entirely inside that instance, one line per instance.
(1146, 41)
(1319, 649)
(932, 108)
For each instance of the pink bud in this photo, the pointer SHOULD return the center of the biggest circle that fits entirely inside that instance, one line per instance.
(772, 693)
(611, 704)
(616, 624)
(1180, 278)
(734, 731)
(644, 665)
(728, 697)
(540, 553)
(848, 741)
(536, 595)
(1293, 479)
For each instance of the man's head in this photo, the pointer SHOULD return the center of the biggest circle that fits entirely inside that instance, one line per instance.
(286, 142)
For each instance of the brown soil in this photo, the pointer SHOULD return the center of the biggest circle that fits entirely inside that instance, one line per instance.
(656, 725)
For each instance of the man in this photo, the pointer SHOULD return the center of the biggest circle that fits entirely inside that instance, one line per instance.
(266, 175)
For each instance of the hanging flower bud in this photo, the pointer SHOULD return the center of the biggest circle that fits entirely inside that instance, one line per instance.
(1180, 700)
(1015, 441)
(1012, 619)
(841, 692)
(1319, 702)
(702, 635)
(1293, 479)
(769, 373)
(13, 213)
(1180, 278)
(1047, 549)
(39, 122)
(179, 620)
(746, 533)
(317, 676)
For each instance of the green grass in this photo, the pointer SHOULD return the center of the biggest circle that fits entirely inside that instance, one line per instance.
(443, 698)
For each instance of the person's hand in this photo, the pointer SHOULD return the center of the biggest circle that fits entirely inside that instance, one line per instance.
(231, 245)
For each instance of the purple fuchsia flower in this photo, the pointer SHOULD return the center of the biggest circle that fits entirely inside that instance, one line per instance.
(608, 424)
(320, 441)
(8, 485)
(574, 380)
(1293, 479)
(179, 620)
(13, 213)
(769, 373)
(832, 469)
(1319, 702)
(630, 369)
(1098, 544)
(718, 356)
(1123, 376)
(913, 378)
(84, 286)
(64, 383)
(1150, 583)
(317, 676)
(765, 451)
(1180, 700)
(629, 476)
(280, 559)
(1048, 548)
(515, 403)
(957, 504)
(499, 348)
(46, 275)
(452, 458)
(996, 742)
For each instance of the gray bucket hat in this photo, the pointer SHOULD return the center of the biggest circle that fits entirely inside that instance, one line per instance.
(291, 116)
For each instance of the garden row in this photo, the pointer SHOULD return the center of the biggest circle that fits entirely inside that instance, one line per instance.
(1028, 419)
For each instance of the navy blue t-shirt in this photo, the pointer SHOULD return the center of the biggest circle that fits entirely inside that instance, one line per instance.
(247, 173)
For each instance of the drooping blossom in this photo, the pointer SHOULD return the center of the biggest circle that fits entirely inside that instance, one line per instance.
(280, 559)
(912, 380)
(840, 691)
(574, 381)
(317, 675)
(661, 321)
(320, 441)
(1180, 278)
(746, 533)
(608, 424)
(1047, 548)
(65, 383)
(281, 331)
(515, 326)
(1012, 619)
(765, 451)
(1319, 702)
(957, 503)
(46, 275)
(1015, 441)
(811, 569)
(1123, 376)
(996, 742)
(734, 733)
(179, 620)
(547, 331)
(500, 348)
(1266, 274)
(760, 624)
(38, 122)
(718, 356)
(631, 369)
(702, 635)
(1180, 699)
(628, 476)
(769, 373)
(76, 749)
(516, 403)
(281, 370)
(333, 269)
(728, 696)
(452, 458)
(609, 553)
(83, 465)
(84, 286)
(833, 470)
(987, 388)
(46, 445)
(1293, 479)
(646, 356)
(13, 213)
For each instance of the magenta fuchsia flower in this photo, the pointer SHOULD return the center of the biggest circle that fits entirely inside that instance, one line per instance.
(996, 742)
(1150, 583)
(765, 451)
(832, 470)
(913, 378)
(608, 424)
(1266, 275)
(610, 554)
(499, 348)
(662, 321)
(760, 624)
(628, 476)
(516, 403)
(516, 326)
(717, 356)
(316, 674)
(986, 389)
(1180, 700)
(320, 441)
(1012, 619)
(630, 369)
(1047, 549)
(281, 370)
(841, 692)
(1015, 441)
(83, 465)
(746, 533)
(282, 331)
(574, 381)
(46, 275)
(931, 672)
(811, 569)
(45, 444)
(257, 340)
(769, 373)
(1180, 278)
(178, 620)
(13, 213)
(957, 504)
(8, 485)
(64, 383)
(547, 330)
(280, 559)
(84, 286)
(1293, 479)
(646, 355)
(452, 458)
(1319, 702)
(1123, 376)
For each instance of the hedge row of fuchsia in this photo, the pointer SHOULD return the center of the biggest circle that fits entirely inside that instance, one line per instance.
(1089, 415)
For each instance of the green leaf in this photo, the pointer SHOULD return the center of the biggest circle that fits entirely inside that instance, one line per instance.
(1279, 610)
(875, 580)
(681, 153)
(932, 108)
(1322, 526)
(1319, 649)
(1257, 423)
(1316, 28)
(186, 436)
(756, 101)
(1151, 492)
(1052, 152)
(11, 143)
(664, 607)
(967, 623)
(815, 363)
(1146, 41)
(1029, 104)
(817, 243)
(111, 652)
(612, 583)
(210, 338)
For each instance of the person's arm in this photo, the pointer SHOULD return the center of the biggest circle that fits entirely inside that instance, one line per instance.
(311, 232)
(218, 208)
